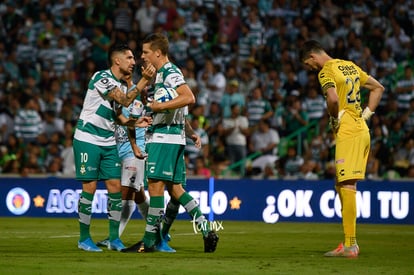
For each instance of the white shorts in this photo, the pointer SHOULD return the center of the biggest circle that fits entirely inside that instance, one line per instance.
(133, 173)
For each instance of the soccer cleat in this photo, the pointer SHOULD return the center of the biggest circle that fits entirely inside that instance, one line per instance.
(88, 245)
(139, 247)
(210, 242)
(163, 246)
(103, 243)
(344, 251)
(116, 245)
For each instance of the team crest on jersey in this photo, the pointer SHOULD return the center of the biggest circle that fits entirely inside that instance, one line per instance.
(82, 169)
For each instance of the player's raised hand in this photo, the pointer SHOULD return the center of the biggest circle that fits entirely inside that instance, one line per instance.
(148, 71)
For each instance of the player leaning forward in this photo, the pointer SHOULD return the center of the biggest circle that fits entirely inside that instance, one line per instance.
(341, 81)
(165, 148)
(96, 154)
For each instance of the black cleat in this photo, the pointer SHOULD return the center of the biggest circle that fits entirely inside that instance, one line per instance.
(210, 242)
(139, 247)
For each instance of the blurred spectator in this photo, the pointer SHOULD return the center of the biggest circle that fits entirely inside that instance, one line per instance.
(291, 163)
(145, 17)
(386, 62)
(405, 89)
(399, 43)
(62, 58)
(264, 140)
(68, 158)
(408, 120)
(195, 27)
(313, 104)
(294, 117)
(318, 153)
(257, 108)
(167, 13)
(179, 48)
(28, 124)
(373, 166)
(122, 16)
(100, 46)
(213, 123)
(404, 157)
(247, 44)
(6, 124)
(229, 24)
(52, 123)
(231, 96)
(198, 52)
(247, 82)
(235, 130)
(307, 171)
(190, 149)
(200, 168)
(218, 161)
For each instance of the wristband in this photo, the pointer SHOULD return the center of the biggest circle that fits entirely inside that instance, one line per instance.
(132, 87)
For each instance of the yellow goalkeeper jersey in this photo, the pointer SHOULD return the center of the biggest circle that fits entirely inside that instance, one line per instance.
(347, 78)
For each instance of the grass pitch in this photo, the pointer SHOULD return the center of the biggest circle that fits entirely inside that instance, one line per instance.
(49, 246)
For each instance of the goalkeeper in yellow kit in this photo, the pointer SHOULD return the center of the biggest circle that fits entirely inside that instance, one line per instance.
(341, 81)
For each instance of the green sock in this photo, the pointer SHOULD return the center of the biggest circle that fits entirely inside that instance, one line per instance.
(155, 214)
(171, 213)
(85, 213)
(114, 214)
(192, 208)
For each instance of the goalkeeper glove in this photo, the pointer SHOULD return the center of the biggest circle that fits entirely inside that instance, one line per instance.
(334, 122)
(367, 113)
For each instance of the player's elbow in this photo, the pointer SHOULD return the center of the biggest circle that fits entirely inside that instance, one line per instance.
(381, 88)
(191, 99)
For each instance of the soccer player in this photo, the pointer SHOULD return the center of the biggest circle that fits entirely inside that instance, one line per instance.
(96, 154)
(341, 81)
(165, 147)
(131, 150)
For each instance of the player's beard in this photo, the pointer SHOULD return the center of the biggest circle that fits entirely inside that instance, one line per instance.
(127, 71)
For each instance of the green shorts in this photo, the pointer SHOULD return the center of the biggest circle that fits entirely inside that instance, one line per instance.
(95, 162)
(165, 162)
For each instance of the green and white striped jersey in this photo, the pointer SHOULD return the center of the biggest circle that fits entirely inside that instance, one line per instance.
(96, 123)
(168, 127)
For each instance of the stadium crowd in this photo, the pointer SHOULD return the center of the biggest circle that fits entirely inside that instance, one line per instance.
(239, 58)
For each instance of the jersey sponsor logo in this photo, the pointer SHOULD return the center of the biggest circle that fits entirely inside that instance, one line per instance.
(167, 173)
(340, 161)
(347, 70)
(131, 168)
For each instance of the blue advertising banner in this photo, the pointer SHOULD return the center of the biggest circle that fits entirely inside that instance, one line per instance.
(270, 201)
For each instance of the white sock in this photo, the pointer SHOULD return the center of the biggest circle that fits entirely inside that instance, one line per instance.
(128, 207)
(143, 208)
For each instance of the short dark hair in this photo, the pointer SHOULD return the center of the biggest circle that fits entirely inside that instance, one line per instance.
(308, 47)
(115, 48)
(157, 41)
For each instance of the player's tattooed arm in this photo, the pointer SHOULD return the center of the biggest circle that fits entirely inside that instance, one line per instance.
(125, 99)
